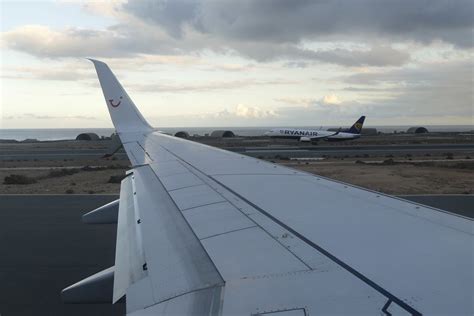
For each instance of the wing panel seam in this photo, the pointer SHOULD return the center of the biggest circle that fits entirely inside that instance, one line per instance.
(344, 265)
(190, 228)
(236, 207)
(185, 293)
(228, 232)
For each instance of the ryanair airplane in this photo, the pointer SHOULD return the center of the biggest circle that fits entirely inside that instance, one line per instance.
(310, 135)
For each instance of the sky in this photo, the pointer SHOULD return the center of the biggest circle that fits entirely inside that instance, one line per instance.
(192, 63)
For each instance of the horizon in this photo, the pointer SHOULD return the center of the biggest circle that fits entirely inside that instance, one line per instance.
(193, 63)
(254, 126)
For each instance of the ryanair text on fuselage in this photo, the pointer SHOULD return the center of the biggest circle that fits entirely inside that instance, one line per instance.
(314, 135)
(298, 133)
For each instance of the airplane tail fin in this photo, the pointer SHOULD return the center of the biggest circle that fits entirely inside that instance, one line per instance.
(124, 113)
(357, 127)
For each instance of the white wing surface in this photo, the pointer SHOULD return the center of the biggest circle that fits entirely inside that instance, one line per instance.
(203, 231)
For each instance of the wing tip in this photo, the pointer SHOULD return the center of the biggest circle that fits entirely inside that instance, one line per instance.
(96, 61)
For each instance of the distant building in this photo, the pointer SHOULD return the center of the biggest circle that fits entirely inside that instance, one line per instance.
(222, 134)
(417, 130)
(369, 131)
(182, 134)
(87, 136)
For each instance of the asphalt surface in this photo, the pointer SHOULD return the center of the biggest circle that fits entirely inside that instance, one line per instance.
(354, 150)
(290, 151)
(56, 154)
(461, 204)
(45, 247)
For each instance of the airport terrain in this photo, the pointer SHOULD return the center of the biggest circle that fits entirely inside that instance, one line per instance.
(441, 163)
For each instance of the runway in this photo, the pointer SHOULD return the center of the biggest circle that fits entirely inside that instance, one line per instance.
(56, 154)
(354, 150)
(45, 247)
(289, 151)
(461, 204)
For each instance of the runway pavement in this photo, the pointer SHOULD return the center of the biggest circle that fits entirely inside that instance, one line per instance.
(353, 150)
(462, 204)
(56, 154)
(290, 151)
(45, 247)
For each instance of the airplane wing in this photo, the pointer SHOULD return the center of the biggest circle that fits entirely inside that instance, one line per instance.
(203, 231)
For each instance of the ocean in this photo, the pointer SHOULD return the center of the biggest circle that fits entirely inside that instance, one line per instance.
(71, 133)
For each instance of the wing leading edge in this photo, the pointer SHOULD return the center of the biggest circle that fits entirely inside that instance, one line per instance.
(330, 248)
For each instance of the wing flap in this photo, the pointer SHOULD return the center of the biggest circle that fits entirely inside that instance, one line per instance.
(176, 261)
(215, 219)
(130, 262)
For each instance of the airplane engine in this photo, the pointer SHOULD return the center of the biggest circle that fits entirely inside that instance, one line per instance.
(305, 139)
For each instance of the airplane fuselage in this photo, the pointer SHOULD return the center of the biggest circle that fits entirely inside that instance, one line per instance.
(310, 134)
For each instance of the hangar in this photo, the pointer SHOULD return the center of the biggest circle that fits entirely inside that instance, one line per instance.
(182, 134)
(88, 136)
(417, 130)
(222, 134)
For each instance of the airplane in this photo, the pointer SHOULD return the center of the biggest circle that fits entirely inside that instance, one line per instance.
(204, 231)
(311, 135)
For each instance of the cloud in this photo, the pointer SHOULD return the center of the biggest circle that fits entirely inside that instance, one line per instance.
(63, 73)
(122, 42)
(238, 115)
(305, 102)
(392, 57)
(292, 21)
(171, 15)
(42, 41)
(253, 112)
(115, 41)
(212, 86)
(424, 93)
(375, 56)
(49, 117)
(331, 99)
(378, 55)
(430, 88)
(263, 30)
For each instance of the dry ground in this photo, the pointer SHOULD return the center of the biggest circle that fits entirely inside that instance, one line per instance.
(405, 178)
(82, 182)
(71, 176)
(443, 177)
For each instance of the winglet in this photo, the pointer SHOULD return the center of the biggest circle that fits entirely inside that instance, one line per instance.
(124, 113)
